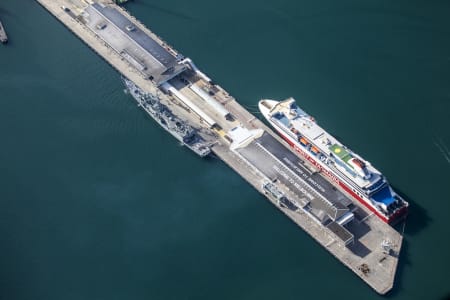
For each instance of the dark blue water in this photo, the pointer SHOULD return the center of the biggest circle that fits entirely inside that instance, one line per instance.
(97, 202)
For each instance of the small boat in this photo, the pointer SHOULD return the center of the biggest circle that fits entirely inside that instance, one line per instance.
(3, 36)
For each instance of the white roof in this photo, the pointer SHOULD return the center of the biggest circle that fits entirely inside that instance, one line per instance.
(241, 136)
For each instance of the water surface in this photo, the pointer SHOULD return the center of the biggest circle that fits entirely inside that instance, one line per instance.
(98, 202)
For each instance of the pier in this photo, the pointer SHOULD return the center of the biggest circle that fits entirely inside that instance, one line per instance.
(360, 240)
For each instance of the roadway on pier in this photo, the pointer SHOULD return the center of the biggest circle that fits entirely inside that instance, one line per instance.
(257, 154)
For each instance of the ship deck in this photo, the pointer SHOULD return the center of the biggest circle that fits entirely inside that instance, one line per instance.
(317, 135)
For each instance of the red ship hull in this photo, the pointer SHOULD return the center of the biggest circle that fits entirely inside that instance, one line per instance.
(391, 220)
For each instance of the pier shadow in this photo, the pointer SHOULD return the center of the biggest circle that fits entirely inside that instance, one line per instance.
(446, 297)
(417, 219)
(402, 263)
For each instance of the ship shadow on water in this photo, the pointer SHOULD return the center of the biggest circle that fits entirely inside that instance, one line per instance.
(417, 220)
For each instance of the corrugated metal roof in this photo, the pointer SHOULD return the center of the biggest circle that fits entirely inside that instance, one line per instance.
(137, 35)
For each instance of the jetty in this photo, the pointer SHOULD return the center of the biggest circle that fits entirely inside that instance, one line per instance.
(361, 241)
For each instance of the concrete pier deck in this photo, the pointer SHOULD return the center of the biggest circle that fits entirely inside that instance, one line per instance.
(177, 85)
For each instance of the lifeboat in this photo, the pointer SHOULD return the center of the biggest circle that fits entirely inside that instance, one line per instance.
(303, 141)
(314, 150)
(359, 163)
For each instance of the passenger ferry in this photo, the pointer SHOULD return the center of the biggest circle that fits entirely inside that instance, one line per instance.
(347, 169)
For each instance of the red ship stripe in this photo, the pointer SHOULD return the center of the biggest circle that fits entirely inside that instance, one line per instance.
(344, 186)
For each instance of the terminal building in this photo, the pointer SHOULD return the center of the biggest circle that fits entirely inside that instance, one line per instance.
(155, 60)
(314, 195)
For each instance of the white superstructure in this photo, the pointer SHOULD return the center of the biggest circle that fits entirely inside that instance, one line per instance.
(349, 170)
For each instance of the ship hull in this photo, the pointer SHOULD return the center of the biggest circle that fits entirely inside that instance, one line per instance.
(393, 219)
(136, 93)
